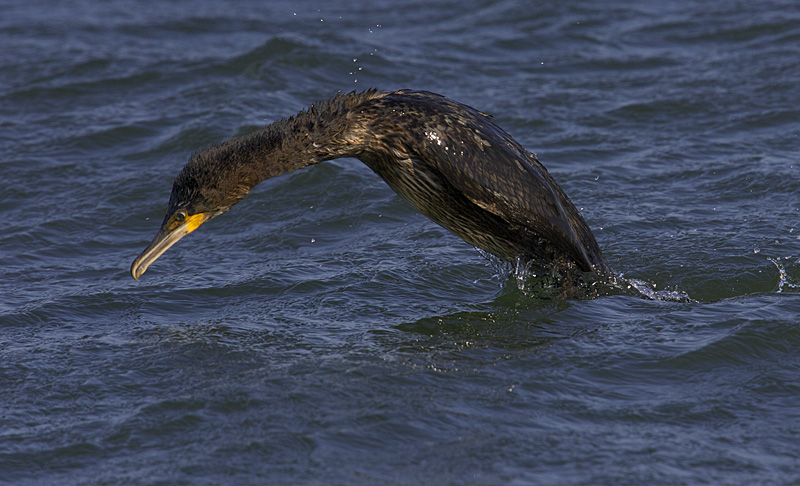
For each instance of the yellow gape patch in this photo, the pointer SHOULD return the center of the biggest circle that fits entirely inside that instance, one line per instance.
(194, 221)
(190, 223)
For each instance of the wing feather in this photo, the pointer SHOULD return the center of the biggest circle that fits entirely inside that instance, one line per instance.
(491, 169)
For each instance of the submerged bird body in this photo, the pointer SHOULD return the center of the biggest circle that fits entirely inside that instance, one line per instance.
(450, 161)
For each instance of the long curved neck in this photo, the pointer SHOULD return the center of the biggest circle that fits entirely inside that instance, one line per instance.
(323, 132)
(290, 144)
(228, 171)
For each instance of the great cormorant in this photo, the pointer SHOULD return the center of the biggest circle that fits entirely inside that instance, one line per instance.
(449, 160)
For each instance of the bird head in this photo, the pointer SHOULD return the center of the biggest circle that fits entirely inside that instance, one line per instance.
(207, 186)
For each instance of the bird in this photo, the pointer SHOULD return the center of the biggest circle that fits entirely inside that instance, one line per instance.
(452, 162)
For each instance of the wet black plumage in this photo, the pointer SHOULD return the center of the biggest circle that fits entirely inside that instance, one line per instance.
(450, 161)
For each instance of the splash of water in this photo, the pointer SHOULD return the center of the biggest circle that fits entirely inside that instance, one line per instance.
(783, 279)
(648, 290)
(544, 283)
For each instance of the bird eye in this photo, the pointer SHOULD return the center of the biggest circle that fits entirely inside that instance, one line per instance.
(181, 216)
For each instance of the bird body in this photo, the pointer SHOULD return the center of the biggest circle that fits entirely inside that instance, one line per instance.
(449, 160)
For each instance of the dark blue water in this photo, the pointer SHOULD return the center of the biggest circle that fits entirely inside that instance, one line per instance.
(322, 332)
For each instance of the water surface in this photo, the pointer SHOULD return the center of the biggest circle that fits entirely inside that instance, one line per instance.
(322, 332)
